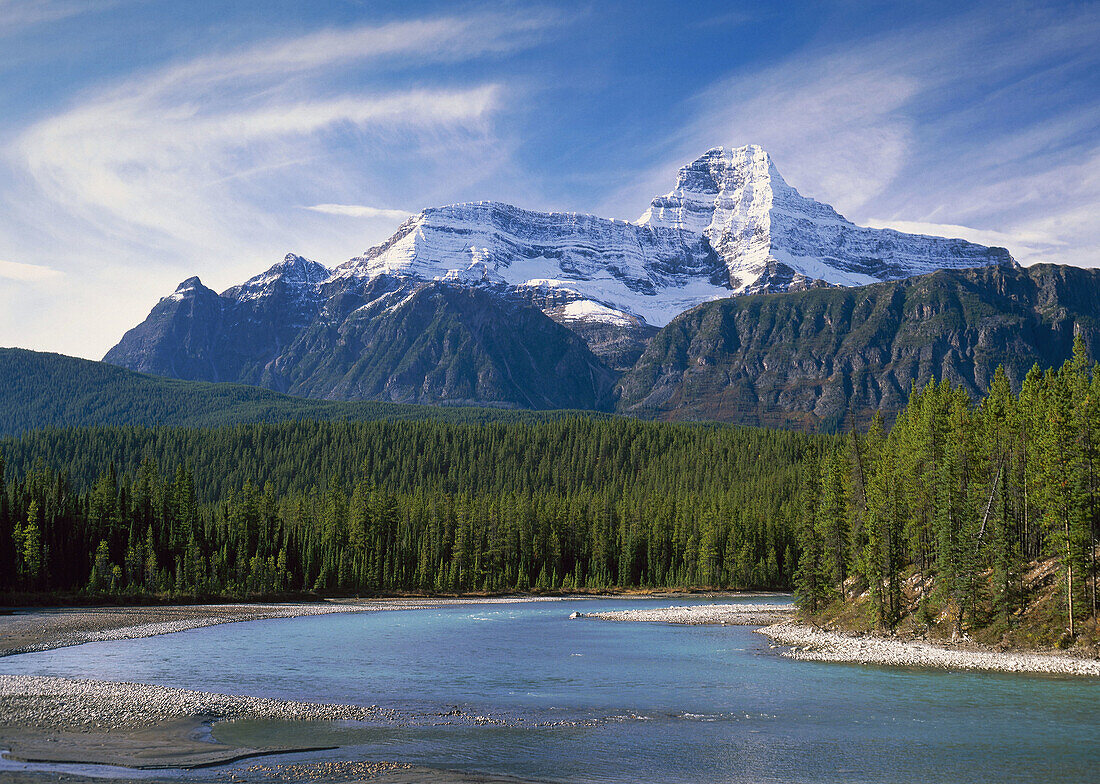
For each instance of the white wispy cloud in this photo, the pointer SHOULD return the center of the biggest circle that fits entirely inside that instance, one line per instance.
(1027, 245)
(166, 151)
(360, 211)
(28, 273)
(925, 128)
(16, 15)
(144, 163)
(200, 165)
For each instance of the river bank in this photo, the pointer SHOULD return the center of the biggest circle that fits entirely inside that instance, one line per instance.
(147, 727)
(41, 629)
(702, 615)
(811, 644)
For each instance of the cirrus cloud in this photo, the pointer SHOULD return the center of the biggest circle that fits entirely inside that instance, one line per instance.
(360, 211)
(28, 273)
(199, 165)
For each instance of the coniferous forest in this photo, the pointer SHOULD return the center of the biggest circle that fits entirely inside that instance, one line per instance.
(953, 514)
(937, 518)
(398, 506)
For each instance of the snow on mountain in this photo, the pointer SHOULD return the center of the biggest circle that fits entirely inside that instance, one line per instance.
(486, 302)
(644, 271)
(185, 289)
(294, 273)
(770, 236)
(731, 225)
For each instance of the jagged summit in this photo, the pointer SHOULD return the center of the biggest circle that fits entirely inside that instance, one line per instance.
(292, 269)
(299, 268)
(295, 276)
(714, 187)
(189, 288)
(771, 237)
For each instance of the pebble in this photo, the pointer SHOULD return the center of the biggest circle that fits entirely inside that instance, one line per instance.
(77, 704)
(743, 614)
(810, 644)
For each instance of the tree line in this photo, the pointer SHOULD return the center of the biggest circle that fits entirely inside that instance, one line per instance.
(958, 500)
(398, 506)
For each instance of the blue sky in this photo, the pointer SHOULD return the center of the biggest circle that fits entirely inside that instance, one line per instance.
(144, 142)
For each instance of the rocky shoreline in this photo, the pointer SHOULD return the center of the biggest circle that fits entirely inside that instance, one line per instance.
(30, 630)
(143, 726)
(810, 644)
(69, 703)
(743, 614)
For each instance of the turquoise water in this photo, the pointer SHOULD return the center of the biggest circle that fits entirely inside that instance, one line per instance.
(584, 700)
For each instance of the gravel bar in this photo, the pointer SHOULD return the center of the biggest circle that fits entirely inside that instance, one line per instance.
(810, 644)
(35, 629)
(65, 703)
(743, 614)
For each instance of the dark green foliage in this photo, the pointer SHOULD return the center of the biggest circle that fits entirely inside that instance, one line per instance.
(963, 497)
(51, 390)
(420, 506)
(827, 359)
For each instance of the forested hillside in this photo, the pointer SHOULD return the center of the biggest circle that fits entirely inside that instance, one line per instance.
(829, 358)
(51, 390)
(384, 506)
(975, 518)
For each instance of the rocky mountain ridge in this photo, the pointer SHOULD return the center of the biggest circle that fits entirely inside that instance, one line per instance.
(826, 359)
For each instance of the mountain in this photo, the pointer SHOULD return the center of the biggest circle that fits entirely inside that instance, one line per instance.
(731, 225)
(438, 343)
(489, 303)
(820, 358)
(812, 360)
(52, 390)
(404, 341)
(772, 238)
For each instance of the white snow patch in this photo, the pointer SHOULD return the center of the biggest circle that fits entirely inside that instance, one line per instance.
(587, 310)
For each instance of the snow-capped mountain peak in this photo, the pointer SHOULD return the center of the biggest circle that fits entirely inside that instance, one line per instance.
(719, 187)
(295, 273)
(188, 288)
(771, 237)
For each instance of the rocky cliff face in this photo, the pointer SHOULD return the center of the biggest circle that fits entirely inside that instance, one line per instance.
(823, 358)
(296, 330)
(197, 334)
(771, 238)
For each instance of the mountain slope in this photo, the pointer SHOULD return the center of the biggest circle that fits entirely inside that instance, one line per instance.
(51, 390)
(817, 358)
(195, 333)
(440, 343)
